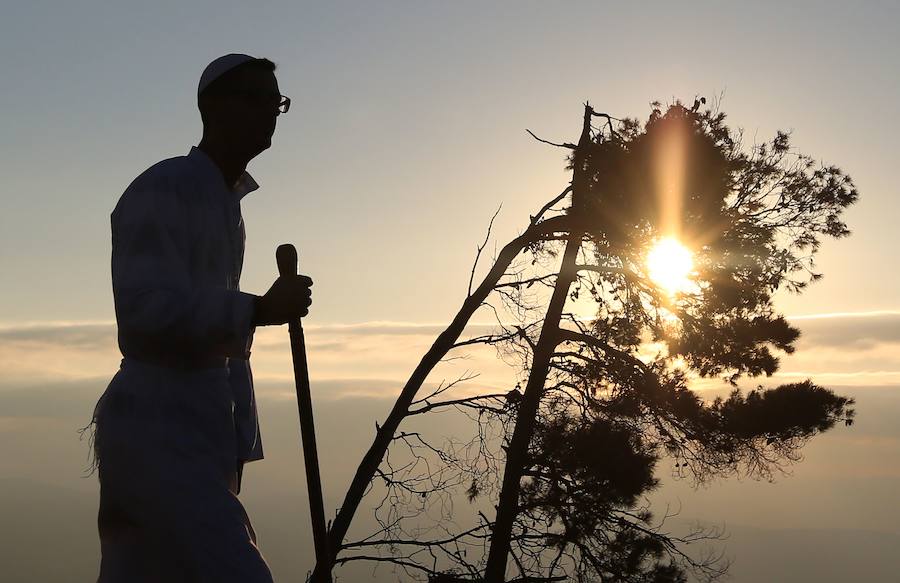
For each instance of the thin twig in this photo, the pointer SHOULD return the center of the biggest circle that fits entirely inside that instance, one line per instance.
(563, 145)
(481, 248)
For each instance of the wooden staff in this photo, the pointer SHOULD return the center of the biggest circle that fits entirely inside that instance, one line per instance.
(286, 257)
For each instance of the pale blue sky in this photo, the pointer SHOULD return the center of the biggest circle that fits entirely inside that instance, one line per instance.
(407, 130)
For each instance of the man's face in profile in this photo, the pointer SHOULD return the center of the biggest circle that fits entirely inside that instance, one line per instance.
(248, 113)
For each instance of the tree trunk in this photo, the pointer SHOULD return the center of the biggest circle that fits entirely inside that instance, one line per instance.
(508, 504)
(517, 453)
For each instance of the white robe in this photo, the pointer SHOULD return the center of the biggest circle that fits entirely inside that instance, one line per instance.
(178, 420)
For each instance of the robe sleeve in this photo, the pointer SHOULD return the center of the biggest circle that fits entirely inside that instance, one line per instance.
(158, 306)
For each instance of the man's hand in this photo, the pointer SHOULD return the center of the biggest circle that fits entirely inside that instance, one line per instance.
(289, 298)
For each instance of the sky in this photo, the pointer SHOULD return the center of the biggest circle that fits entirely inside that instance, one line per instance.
(406, 133)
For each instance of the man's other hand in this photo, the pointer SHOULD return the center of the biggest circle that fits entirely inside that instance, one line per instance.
(289, 298)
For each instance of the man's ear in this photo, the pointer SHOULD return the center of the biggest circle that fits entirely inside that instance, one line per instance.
(209, 106)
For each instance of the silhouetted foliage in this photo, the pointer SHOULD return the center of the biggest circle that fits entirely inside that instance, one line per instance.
(605, 399)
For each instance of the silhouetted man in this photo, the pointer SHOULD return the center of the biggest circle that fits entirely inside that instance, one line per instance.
(178, 420)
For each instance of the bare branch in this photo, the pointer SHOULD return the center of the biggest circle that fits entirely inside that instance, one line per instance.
(481, 247)
(566, 145)
(443, 388)
(466, 401)
(536, 218)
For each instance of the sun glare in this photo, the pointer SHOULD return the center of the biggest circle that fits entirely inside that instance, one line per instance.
(669, 265)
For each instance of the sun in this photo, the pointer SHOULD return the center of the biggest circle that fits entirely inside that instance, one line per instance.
(669, 264)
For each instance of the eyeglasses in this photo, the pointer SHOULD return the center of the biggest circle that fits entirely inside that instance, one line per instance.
(256, 97)
(285, 104)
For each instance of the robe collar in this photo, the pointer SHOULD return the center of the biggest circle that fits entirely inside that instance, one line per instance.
(245, 183)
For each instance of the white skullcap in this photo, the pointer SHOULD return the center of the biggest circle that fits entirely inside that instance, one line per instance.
(219, 67)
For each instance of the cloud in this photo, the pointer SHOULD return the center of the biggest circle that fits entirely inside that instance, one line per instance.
(858, 330)
(847, 348)
(81, 335)
(380, 328)
(330, 389)
(851, 331)
(99, 334)
(320, 334)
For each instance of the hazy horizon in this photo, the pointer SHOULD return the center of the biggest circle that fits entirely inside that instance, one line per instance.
(839, 496)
